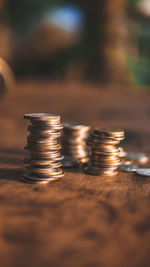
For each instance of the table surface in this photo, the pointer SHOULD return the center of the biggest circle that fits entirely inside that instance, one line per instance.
(80, 220)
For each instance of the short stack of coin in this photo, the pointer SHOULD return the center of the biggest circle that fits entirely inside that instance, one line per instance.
(74, 142)
(104, 158)
(43, 158)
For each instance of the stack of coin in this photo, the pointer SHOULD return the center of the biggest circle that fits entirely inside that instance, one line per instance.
(104, 159)
(43, 158)
(74, 143)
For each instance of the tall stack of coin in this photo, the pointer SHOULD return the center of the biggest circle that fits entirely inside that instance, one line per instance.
(43, 159)
(74, 143)
(104, 159)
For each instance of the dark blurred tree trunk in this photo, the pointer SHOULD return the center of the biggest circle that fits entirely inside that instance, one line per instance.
(116, 39)
(95, 13)
(94, 38)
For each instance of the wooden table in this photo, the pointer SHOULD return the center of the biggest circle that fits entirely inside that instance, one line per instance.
(80, 220)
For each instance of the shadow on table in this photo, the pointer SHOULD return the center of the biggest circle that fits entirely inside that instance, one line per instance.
(10, 174)
(11, 164)
(11, 151)
(140, 179)
(73, 170)
(11, 156)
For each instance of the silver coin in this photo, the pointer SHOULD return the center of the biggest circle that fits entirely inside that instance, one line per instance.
(143, 172)
(140, 157)
(128, 168)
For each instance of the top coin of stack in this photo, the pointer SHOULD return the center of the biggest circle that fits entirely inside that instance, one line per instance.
(43, 149)
(74, 141)
(104, 159)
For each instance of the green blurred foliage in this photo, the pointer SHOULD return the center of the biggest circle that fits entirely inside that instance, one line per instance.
(139, 62)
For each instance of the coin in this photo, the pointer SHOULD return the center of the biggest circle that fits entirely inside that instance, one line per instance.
(42, 147)
(98, 172)
(28, 178)
(32, 181)
(106, 137)
(42, 116)
(44, 166)
(44, 172)
(45, 125)
(139, 157)
(104, 158)
(36, 140)
(104, 165)
(43, 132)
(128, 168)
(143, 172)
(101, 146)
(105, 151)
(100, 143)
(43, 161)
(109, 132)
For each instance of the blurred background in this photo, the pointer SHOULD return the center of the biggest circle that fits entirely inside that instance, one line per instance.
(89, 62)
(77, 40)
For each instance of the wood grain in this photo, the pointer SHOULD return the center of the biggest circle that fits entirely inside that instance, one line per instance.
(80, 220)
